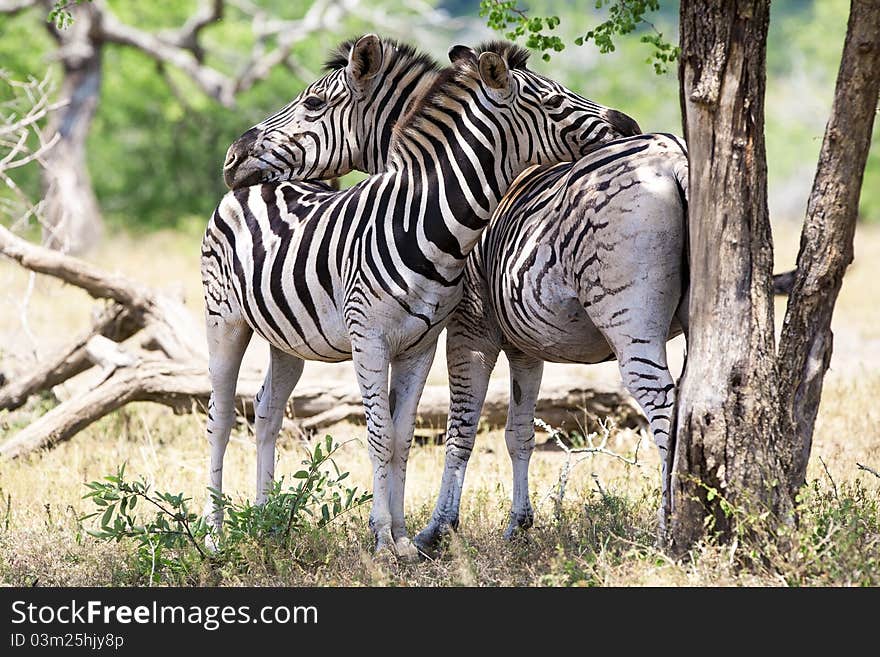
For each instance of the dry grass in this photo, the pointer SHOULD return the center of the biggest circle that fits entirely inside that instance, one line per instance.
(604, 537)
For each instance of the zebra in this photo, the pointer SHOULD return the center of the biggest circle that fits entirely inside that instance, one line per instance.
(583, 262)
(372, 274)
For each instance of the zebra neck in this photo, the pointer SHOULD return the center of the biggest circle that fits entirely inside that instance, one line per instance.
(402, 88)
(459, 182)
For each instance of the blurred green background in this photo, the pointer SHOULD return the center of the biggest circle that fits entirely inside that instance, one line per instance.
(155, 152)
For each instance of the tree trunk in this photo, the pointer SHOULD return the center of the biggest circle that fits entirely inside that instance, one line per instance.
(726, 419)
(72, 216)
(827, 238)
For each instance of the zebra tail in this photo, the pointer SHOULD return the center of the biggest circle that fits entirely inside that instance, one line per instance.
(680, 173)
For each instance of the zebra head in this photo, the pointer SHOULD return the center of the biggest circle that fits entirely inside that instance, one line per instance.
(341, 122)
(545, 121)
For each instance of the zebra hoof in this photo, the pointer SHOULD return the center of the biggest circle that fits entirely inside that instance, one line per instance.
(518, 524)
(405, 551)
(385, 552)
(430, 540)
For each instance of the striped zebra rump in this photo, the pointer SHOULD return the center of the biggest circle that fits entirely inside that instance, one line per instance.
(563, 251)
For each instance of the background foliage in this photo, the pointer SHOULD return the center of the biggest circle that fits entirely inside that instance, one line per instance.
(156, 148)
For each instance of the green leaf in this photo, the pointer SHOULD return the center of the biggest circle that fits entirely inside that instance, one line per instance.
(105, 519)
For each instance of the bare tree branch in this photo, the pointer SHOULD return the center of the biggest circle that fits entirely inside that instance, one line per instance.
(181, 48)
(430, 19)
(8, 162)
(23, 140)
(322, 15)
(96, 282)
(187, 37)
(212, 82)
(15, 6)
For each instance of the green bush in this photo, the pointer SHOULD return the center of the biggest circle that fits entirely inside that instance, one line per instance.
(170, 539)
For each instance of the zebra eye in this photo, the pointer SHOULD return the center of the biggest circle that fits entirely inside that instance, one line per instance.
(554, 101)
(314, 103)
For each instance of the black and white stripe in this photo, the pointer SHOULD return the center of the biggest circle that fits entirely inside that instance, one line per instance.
(373, 273)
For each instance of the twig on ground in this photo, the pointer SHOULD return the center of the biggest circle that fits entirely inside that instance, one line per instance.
(588, 452)
(867, 469)
(830, 478)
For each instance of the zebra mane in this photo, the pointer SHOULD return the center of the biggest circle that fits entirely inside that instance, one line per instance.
(399, 52)
(514, 55)
(450, 82)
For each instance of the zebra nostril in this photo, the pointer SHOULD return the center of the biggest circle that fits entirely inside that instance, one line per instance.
(231, 158)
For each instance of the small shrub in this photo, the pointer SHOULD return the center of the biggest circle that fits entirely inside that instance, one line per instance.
(170, 538)
(838, 536)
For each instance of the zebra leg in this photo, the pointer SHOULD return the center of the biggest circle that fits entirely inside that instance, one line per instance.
(525, 383)
(227, 341)
(371, 368)
(281, 378)
(470, 359)
(408, 376)
(646, 376)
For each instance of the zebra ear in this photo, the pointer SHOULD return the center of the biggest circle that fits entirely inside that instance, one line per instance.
(462, 53)
(493, 71)
(365, 58)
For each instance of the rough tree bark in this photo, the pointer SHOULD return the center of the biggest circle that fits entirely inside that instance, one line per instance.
(72, 217)
(827, 239)
(725, 418)
(745, 414)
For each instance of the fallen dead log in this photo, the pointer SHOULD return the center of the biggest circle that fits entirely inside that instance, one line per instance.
(559, 406)
(170, 323)
(114, 322)
(167, 324)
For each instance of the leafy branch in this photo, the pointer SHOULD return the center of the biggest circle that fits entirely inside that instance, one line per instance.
(624, 17)
(172, 536)
(503, 15)
(60, 13)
